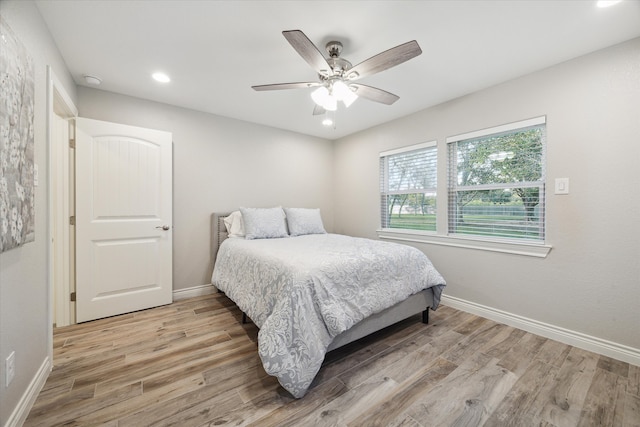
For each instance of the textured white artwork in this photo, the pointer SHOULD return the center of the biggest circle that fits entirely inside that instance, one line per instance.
(17, 87)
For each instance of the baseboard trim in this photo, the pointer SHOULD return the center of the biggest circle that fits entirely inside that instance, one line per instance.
(22, 409)
(195, 291)
(576, 339)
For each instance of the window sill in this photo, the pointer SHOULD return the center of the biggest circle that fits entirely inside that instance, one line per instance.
(516, 248)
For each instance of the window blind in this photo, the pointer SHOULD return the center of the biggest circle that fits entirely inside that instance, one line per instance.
(408, 181)
(496, 182)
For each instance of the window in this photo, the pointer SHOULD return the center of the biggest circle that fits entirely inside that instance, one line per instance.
(496, 182)
(408, 178)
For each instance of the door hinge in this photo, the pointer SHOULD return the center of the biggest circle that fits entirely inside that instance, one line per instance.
(73, 297)
(72, 134)
(72, 220)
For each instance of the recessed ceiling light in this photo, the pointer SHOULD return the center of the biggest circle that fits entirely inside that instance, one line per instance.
(607, 3)
(161, 77)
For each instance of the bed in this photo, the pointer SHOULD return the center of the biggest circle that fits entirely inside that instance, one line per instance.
(309, 303)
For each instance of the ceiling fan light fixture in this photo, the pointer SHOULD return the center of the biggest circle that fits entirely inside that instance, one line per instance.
(347, 102)
(320, 95)
(323, 98)
(344, 93)
(330, 103)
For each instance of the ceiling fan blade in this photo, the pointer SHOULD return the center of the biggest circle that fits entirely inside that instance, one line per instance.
(385, 60)
(308, 51)
(317, 110)
(280, 86)
(374, 94)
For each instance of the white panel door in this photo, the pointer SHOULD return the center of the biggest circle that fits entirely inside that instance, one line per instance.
(123, 219)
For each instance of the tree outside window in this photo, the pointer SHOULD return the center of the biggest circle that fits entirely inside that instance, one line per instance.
(408, 180)
(496, 184)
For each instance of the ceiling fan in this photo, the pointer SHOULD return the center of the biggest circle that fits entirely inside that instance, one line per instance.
(336, 74)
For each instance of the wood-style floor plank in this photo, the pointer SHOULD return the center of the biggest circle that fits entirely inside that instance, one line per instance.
(633, 387)
(519, 357)
(470, 393)
(567, 391)
(602, 406)
(351, 405)
(631, 417)
(518, 408)
(193, 363)
(383, 411)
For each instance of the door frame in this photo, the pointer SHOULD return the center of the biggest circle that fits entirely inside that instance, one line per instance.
(58, 103)
(62, 208)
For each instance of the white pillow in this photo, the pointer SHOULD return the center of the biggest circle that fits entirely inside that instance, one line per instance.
(264, 223)
(234, 225)
(304, 221)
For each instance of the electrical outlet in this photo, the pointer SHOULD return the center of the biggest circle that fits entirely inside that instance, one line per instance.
(10, 368)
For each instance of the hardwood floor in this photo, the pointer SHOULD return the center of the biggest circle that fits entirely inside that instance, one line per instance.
(192, 363)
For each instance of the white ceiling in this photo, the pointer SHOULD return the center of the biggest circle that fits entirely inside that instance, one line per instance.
(214, 51)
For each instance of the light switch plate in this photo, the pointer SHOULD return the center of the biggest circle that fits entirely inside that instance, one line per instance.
(562, 186)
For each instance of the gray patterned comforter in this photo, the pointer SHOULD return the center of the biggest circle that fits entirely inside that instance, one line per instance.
(303, 291)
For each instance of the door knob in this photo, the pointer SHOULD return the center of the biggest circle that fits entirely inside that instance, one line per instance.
(163, 227)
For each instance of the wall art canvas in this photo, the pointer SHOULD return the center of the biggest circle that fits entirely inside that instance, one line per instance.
(17, 90)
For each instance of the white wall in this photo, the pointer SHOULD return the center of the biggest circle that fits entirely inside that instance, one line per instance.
(221, 164)
(590, 281)
(24, 318)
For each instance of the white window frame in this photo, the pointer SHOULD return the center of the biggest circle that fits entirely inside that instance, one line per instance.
(384, 183)
(441, 237)
(453, 187)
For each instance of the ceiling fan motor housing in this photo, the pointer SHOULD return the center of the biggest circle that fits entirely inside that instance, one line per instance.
(333, 48)
(339, 65)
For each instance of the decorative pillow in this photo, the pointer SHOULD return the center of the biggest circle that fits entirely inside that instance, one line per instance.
(234, 225)
(264, 223)
(304, 221)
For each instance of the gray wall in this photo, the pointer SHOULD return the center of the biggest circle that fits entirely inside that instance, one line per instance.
(24, 272)
(221, 164)
(590, 281)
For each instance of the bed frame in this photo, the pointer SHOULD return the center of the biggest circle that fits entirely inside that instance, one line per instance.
(417, 303)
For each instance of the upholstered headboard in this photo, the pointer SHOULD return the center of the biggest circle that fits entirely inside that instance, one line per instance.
(218, 232)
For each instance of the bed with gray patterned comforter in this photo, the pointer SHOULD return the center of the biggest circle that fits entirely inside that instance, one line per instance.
(303, 291)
